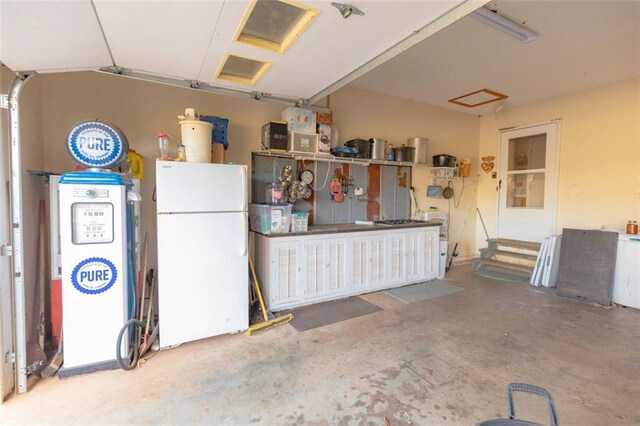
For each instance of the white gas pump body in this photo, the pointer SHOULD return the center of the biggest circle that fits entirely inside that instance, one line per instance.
(95, 269)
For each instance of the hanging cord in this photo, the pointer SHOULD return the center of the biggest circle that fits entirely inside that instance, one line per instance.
(456, 204)
(326, 179)
(415, 203)
(366, 193)
(448, 217)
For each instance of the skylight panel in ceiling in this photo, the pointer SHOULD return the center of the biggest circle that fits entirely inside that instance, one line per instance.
(243, 70)
(275, 24)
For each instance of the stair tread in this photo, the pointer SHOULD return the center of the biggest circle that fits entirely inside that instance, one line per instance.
(502, 275)
(505, 265)
(525, 256)
(530, 245)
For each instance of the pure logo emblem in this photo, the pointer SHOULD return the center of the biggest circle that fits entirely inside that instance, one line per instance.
(97, 144)
(94, 275)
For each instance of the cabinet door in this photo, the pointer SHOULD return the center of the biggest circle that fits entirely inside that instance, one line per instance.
(315, 270)
(397, 258)
(626, 284)
(430, 253)
(360, 261)
(415, 258)
(337, 265)
(378, 269)
(285, 269)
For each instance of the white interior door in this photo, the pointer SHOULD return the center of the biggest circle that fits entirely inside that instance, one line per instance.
(528, 182)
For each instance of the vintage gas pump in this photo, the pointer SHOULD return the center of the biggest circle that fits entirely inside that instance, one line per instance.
(98, 290)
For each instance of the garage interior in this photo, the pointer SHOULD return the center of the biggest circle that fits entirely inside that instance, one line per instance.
(443, 360)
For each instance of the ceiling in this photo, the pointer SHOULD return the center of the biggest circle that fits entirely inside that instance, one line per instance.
(444, 54)
(581, 45)
(188, 40)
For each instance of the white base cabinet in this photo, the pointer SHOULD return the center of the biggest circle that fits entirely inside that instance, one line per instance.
(301, 270)
(626, 284)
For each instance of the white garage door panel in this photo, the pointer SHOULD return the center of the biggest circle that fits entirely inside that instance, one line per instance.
(222, 43)
(189, 39)
(331, 48)
(48, 36)
(352, 42)
(305, 50)
(168, 38)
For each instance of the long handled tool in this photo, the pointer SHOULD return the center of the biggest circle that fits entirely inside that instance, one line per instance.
(454, 252)
(56, 360)
(267, 323)
(143, 339)
(147, 338)
(482, 221)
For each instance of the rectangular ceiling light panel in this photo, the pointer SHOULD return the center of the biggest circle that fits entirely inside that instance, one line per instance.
(275, 24)
(505, 25)
(243, 70)
(477, 98)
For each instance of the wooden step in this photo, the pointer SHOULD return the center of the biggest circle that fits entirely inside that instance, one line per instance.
(503, 275)
(526, 245)
(496, 252)
(504, 265)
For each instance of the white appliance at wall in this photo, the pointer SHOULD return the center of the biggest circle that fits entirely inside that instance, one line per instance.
(626, 284)
(203, 287)
(442, 219)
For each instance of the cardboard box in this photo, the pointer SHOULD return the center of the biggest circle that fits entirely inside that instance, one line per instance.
(324, 139)
(324, 118)
(304, 143)
(217, 153)
(299, 120)
(274, 136)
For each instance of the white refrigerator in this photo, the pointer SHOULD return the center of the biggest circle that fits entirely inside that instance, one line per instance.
(202, 250)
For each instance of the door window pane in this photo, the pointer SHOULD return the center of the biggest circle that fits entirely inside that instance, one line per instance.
(527, 152)
(525, 190)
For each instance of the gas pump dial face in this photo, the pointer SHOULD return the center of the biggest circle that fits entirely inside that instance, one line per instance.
(92, 223)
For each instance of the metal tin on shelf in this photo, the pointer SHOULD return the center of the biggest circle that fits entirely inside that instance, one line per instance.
(420, 153)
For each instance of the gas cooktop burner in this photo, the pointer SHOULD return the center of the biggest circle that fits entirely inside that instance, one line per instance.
(397, 221)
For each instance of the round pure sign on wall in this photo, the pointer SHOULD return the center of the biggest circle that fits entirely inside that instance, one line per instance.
(96, 144)
(94, 275)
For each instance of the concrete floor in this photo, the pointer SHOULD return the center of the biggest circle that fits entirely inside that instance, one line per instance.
(444, 361)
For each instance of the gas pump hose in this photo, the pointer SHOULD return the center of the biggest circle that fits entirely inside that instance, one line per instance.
(128, 365)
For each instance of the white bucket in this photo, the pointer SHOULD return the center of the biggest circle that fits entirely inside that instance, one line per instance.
(196, 138)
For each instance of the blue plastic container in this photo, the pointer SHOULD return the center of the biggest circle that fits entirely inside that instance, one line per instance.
(219, 131)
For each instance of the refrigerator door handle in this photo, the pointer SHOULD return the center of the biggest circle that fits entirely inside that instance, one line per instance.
(246, 234)
(244, 181)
